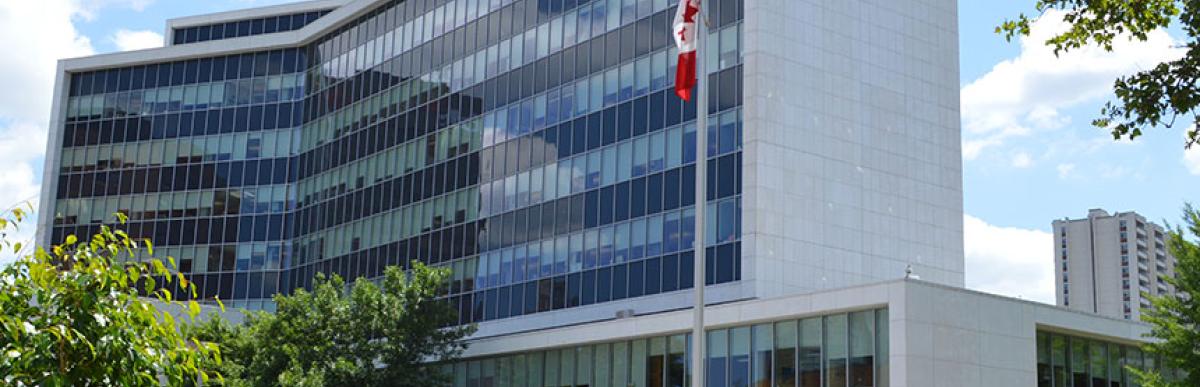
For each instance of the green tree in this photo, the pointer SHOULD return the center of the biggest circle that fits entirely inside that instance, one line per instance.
(1176, 319)
(73, 316)
(392, 334)
(1154, 97)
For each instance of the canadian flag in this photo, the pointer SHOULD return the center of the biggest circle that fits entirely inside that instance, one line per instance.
(685, 40)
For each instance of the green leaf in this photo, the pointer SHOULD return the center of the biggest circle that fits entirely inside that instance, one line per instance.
(334, 345)
(158, 267)
(140, 342)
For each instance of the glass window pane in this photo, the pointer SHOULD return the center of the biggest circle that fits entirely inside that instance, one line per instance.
(474, 374)
(836, 350)
(862, 349)
(609, 170)
(785, 354)
(551, 369)
(1058, 359)
(556, 35)
(584, 366)
(882, 346)
(637, 374)
(536, 367)
(602, 366)
(760, 375)
(487, 377)
(614, 14)
(1133, 358)
(460, 375)
(620, 365)
(810, 352)
(498, 374)
(1079, 362)
(739, 356)
(656, 363)
(677, 359)
(543, 40)
(718, 354)
(1099, 363)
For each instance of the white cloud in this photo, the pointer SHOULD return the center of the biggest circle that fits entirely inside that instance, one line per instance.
(41, 32)
(1009, 261)
(1022, 160)
(1065, 170)
(1025, 95)
(127, 40)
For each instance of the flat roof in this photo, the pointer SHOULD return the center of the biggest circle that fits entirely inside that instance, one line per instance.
(254, 13)
(343, 12)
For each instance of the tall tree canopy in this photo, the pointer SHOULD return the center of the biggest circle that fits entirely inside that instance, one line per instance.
(1166, 95)
(1176, 318)
(392, 334)
(74, 316)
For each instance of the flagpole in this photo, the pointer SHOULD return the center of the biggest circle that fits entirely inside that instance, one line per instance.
(698, 334)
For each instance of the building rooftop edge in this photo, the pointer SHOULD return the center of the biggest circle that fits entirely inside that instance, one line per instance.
(253, 13)
(1096, 213)
(1015, 299)
(836, 292)
(343, 12)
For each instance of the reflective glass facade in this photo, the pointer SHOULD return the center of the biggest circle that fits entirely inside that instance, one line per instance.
(534, 147)
(240, 28)
(842, 350)
(1071, 361)
(199, 154)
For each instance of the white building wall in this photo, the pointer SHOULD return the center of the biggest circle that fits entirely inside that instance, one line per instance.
(852, 144)
(951, 337)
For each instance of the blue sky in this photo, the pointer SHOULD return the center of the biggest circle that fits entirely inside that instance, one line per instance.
(1148, 176)
(1030, 153)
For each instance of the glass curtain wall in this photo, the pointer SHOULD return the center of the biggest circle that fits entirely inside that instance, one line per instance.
(842, 350)
(533, 147)
(198, 154)
(1071, 361)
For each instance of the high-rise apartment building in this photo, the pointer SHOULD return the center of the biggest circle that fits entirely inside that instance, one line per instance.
(1105, 264)
(535, 148)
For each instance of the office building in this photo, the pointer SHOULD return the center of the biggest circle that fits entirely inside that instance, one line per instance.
(1106, 264)
(535, 147)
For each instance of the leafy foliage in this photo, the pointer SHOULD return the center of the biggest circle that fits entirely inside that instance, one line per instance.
(1149, 98)
(1176, 319)
(73, 316)
(391, 334)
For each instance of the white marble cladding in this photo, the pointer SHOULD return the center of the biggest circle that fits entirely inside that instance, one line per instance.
(941, 336)
(938, 335)
(852, 143)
